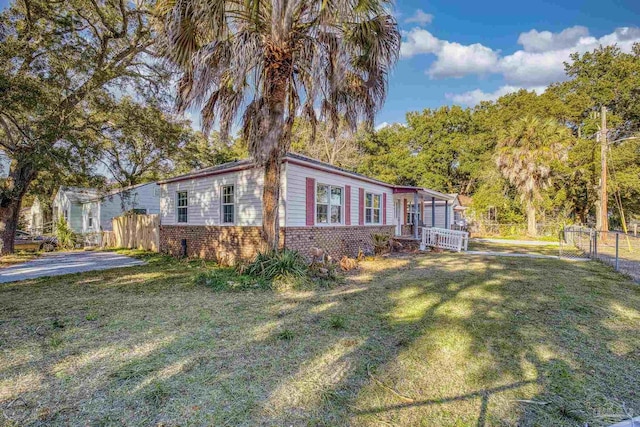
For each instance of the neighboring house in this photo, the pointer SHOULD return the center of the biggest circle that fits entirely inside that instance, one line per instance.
(35, 218)
(88, 210)
(216, 213)
(461, 215)
(441, 210)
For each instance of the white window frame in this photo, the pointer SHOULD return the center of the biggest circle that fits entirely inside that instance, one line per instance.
(328, 204)
(223, 204)
(178, 207)
(372, 208)
(413, 213)
(90, 218)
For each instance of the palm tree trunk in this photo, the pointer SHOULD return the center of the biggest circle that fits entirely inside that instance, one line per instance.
(532, 229)
(277, 140)
(271, 200)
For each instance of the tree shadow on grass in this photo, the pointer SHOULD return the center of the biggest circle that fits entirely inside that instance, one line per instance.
(437, 340)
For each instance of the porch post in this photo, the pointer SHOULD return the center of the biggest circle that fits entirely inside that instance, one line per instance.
(433, 211)
(446, 214)
(415, 215)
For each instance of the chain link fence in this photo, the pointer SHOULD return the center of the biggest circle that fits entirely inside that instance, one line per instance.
(620, 250)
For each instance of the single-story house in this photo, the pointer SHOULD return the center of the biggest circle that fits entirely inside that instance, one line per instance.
(34, 218)
(216, 212)
(88, 210)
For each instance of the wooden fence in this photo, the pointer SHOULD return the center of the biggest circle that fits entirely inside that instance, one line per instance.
(134, 232)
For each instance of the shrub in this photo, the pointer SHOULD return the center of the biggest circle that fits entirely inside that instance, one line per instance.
(66, 237)
(380, 243)
(227, 279)
(277, 264)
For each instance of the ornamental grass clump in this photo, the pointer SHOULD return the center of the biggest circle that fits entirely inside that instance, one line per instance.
(277, 265)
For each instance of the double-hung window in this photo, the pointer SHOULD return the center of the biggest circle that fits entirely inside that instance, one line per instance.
(182, 203)
(90, 218)
(228, 204)
(372, 208)
(328, 204)
(413, 215)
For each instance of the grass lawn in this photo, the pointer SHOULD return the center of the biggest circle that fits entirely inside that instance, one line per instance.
(507, 247)
(17, 258)
(433, 340)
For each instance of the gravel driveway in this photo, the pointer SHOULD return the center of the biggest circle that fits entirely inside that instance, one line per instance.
(59, 263)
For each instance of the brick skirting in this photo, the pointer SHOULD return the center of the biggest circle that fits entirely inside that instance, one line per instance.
(230, 244)
(224, 244)
(337, 241)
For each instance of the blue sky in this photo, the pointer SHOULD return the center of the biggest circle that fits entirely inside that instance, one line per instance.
(461, 52)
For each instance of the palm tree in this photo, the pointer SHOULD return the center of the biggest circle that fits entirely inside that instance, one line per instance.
(269, 61)
(525, 154)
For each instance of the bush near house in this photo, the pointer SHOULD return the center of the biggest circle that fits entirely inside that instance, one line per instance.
(67, 239)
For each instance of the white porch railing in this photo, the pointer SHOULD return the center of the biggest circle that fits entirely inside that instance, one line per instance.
(444, 239)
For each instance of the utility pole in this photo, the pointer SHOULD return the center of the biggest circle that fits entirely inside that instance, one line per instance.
(602, 221)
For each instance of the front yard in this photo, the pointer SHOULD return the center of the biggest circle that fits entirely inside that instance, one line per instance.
(435, 340)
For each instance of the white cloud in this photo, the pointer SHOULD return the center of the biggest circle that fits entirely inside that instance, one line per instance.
(476, 96)
(420, 18)
(452, 59)
(457, 60)
(418, 42)
(382, 125)
(531, 68)
(543, 41)
(539, 63)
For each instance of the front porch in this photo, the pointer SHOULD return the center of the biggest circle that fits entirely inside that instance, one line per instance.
(416, 207)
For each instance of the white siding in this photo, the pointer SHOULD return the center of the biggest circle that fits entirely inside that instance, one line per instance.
(74, 211)
(204, 196)
(143, 197)
(36, 216)
(204, 204)
(94, 209)
(296, 176)
(440, 217)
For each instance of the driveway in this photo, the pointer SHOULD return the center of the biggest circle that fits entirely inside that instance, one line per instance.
(59, 263)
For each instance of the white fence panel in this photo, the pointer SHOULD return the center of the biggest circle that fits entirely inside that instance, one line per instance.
(444, 239)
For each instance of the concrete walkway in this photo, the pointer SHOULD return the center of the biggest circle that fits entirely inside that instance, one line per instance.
(515, 255)
(59, 263)
(517, 242)
(634, 422)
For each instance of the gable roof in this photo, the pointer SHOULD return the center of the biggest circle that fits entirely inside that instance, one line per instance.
(79, 194)
(465, 200)
(85, 195)
(211, 170)
(290, 157)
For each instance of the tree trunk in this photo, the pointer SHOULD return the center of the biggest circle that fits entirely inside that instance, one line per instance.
(11, 194)
(532, 229)
(276, 140)
(271, 200)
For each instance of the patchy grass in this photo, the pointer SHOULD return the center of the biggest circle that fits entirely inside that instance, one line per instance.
(435, 340)
(509, 247)
(17, 258)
